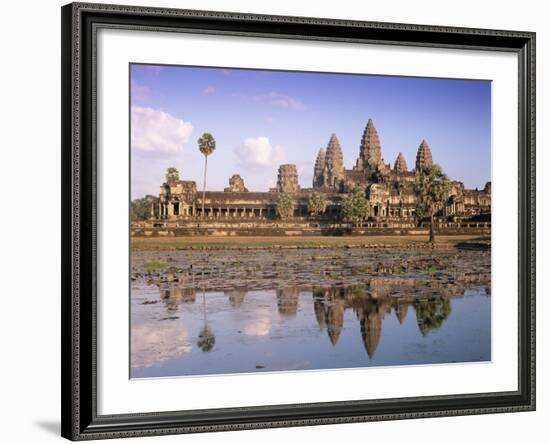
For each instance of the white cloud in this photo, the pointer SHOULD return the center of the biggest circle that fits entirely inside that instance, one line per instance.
(260, 323)
(152, 344)
(209, 90)
(155, 131)
(259, 152)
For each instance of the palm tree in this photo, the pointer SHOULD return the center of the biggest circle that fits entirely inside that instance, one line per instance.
(172, 175)
(431, 188)
(207, 145)
(206, 340)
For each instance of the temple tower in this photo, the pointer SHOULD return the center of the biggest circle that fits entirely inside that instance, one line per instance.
(287, 179)
(236, 185)
(333, 172)
(318, 169)
(400, 165)
(371, 330)
(370, 151)
(401, 312)
(287, 301)
(423, 156)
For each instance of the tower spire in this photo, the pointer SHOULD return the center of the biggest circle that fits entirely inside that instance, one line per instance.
(423, 155)
(370, 151)
(334, 162)
(318, 169)
(400, 165)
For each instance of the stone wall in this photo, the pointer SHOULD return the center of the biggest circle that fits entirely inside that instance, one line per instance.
(304, 228)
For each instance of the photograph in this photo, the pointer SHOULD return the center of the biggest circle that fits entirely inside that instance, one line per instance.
(293, 217)
(294, 221)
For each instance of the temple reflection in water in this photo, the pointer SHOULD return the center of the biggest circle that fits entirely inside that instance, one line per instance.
(370, 305)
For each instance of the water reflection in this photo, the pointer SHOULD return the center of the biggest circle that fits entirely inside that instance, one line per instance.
(151, 345)
(287, 301)
(173, 296)
(330, 303)
(295, 313)
(236, 297)
(430, 315)
(371, 313)
(329, 311)
(207, 340)
(371, 305)
(401, 310)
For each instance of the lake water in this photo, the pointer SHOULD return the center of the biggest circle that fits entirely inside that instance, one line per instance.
(178, 331)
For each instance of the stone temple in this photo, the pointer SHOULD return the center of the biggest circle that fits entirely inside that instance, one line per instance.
(389, 190)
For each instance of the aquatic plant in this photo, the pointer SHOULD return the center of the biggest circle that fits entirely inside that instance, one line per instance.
(152, 265)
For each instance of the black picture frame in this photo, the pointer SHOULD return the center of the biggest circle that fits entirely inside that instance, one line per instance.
(80, 22)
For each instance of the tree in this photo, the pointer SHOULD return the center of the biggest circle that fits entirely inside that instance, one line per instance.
(355, 206)
(317, 203)
(431, 188)
(207, 145)
(430, 315)
(206, 340)
(140, 209)
(172, 175)
(285, 206)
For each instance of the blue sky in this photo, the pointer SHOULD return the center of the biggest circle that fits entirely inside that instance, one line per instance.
(261, 119)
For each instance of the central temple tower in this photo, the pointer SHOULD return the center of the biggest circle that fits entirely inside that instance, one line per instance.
(423, 156)
(333, 172)
(370, 151)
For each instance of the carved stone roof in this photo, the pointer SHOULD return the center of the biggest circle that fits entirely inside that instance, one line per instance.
(370, 151)
(334, 157)
(287, 179)
(400, 165)
(318, 168)
(423, 155)
(320, 161)
(236, 185)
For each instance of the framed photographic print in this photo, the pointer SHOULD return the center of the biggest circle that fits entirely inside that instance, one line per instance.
(280, 221)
